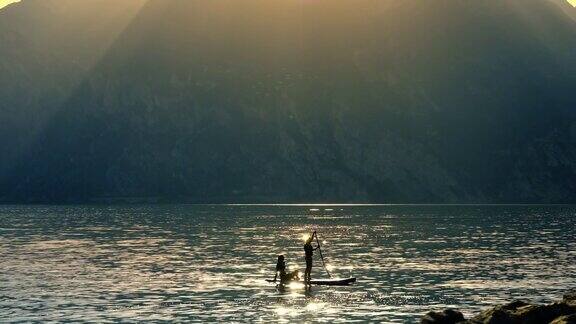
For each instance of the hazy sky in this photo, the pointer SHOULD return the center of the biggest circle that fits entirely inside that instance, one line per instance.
(7, 2)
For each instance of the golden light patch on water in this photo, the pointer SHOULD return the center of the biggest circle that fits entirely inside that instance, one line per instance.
(207, 282)
(295, 285)
(495, 284)
(469, 251)
(286, 311)
(57, 244)
(425, 266)
(315, 307)
(316, 217)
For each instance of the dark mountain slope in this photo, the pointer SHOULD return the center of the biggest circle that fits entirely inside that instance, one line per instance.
(340, 100)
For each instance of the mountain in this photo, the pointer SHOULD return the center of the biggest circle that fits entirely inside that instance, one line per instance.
(288, 101)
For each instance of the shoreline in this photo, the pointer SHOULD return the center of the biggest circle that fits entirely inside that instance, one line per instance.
(516, 312)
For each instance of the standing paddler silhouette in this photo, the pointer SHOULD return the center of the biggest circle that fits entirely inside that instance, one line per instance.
(309, 253)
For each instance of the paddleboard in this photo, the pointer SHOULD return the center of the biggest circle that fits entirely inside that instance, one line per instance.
(328, 282)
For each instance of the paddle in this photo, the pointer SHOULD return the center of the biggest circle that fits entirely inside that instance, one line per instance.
(321, 256)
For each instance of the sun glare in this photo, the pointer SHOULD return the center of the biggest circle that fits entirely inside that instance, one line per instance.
(4, 3)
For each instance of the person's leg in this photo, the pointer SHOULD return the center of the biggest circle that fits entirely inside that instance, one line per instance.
(308, 271)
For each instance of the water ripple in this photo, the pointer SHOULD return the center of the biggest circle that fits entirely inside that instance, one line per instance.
(208, 263)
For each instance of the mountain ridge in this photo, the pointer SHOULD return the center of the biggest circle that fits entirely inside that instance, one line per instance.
(313, 101)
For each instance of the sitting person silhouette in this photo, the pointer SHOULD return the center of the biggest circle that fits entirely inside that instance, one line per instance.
(281, 269)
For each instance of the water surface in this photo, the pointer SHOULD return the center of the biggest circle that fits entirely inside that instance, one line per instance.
(208, 263)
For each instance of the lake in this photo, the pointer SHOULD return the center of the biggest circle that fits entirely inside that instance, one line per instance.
(209, 263)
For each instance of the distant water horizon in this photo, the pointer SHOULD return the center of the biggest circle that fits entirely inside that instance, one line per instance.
(139, 201)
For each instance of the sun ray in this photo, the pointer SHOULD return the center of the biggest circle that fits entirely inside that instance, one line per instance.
(131, 10)
(4, 3)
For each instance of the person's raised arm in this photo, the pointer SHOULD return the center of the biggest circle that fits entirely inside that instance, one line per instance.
(317, 241)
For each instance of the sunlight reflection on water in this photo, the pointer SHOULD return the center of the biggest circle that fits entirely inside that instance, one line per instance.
(118, 263)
